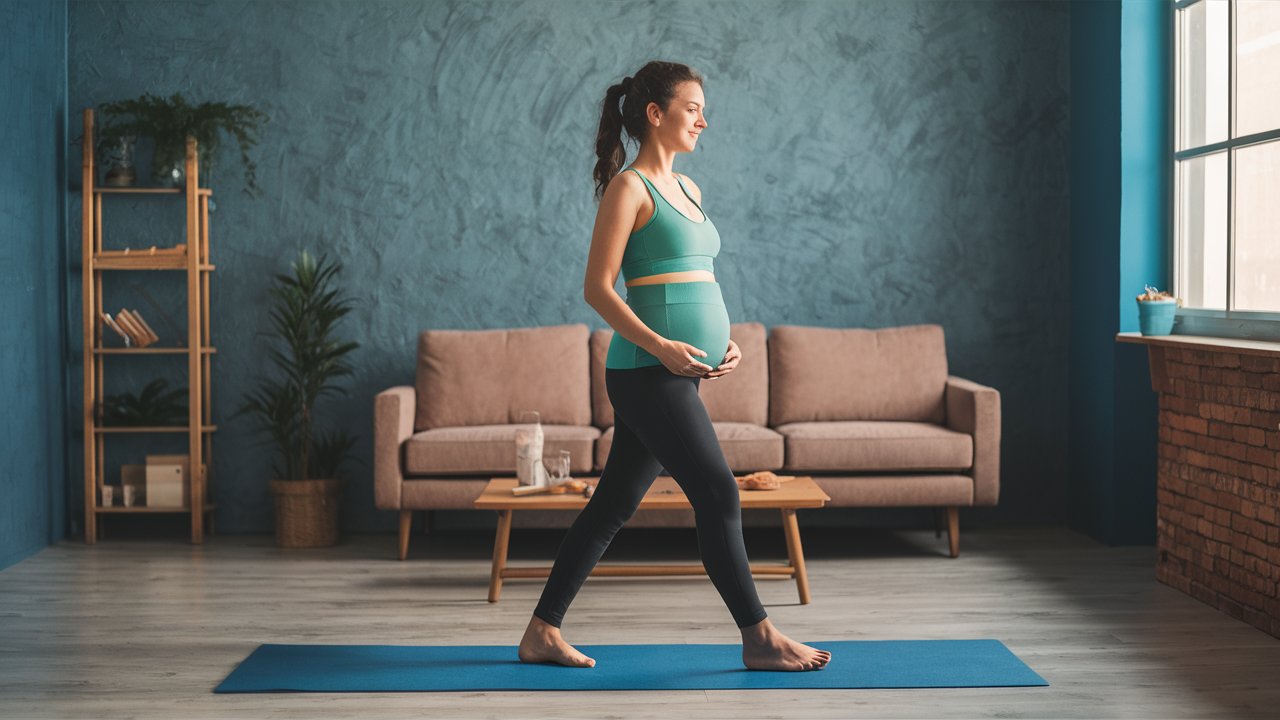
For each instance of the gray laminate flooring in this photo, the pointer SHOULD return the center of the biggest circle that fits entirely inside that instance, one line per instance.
(146, 628)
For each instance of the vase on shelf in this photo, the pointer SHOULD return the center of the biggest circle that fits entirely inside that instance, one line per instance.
(169, 165)
(117, 158)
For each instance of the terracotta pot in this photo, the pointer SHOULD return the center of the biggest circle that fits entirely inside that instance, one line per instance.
(306, 512)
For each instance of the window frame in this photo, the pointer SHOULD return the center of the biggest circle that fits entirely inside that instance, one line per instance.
(1231, 323)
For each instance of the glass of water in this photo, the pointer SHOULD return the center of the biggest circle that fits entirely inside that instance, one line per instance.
(558, 467)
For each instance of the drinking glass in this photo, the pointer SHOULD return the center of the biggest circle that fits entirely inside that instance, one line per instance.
(558, 467)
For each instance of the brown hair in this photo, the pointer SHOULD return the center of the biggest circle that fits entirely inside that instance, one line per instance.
(654, 83)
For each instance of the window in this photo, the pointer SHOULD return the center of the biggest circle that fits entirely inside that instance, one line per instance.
(1227, 159)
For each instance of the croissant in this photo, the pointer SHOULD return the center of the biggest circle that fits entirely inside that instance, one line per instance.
(763, 480)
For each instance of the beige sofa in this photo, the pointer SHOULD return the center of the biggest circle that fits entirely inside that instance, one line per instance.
(871, 415)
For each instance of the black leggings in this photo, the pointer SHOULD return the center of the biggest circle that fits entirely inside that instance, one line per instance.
(659, 422)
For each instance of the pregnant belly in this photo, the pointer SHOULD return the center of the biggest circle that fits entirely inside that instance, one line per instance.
(702, 325)
(691, 312)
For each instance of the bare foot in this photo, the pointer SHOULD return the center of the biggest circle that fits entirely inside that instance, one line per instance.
(542, 643)
(764, 647)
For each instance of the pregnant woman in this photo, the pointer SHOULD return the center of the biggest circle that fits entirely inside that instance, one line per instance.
(670, 333)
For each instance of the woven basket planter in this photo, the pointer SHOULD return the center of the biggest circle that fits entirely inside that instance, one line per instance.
(306, 512)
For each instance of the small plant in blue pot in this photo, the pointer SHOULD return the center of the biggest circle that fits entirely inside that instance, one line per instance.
(1156, 309)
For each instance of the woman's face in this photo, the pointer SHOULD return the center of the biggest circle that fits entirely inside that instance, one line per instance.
(685, 118)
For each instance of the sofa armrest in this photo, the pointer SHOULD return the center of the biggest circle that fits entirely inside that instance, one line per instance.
(393, 413)
(975, 409)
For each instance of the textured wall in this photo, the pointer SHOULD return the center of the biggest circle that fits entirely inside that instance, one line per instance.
(33, 85)
(867, 163)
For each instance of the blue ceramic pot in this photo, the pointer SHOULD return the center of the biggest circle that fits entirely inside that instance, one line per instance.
(1155, 317)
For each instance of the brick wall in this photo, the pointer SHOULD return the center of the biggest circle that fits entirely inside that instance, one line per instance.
(1218, 485)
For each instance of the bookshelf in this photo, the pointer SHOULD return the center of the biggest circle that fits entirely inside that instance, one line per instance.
(97, 265)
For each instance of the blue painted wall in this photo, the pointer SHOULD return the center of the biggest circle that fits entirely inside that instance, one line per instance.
(1095, 261)
(1120, 186)
(33, 272)
(868, 164)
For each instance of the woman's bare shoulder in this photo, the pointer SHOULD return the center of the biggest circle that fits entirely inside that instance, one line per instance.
(625, 182)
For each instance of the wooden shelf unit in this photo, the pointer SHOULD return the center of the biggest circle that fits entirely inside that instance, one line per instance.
(195, 261)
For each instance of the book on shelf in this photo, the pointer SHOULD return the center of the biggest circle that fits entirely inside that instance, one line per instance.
(139, 336)
(137, 320)
(128, 339)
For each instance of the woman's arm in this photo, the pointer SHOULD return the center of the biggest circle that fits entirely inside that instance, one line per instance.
(618, 208)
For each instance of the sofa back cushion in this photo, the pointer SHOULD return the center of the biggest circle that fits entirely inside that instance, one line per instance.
(740, 396)
(821, 373)
(488, 377)
(601, 408)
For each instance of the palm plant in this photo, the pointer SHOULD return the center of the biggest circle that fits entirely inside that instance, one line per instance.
(303, 317)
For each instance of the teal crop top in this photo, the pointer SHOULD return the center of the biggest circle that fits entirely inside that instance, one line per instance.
(669, 241)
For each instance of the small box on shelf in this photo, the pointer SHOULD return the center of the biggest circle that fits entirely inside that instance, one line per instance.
(166, 480)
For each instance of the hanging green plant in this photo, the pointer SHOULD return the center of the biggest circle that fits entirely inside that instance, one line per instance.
(153, 407)
(168, 121)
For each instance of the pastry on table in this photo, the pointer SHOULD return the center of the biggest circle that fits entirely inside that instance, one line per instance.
(763, 480)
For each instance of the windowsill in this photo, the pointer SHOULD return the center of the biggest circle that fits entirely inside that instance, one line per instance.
(1204, 342)
(1156, 344)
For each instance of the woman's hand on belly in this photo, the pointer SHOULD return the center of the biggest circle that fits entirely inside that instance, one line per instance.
(681, 358)
(731, 359)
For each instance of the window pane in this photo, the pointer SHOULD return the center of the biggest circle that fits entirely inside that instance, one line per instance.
(1202, 74)
(1202, 231)
(1257, 246)
(1257, 66)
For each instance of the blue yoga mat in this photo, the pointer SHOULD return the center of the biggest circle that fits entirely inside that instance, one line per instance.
(854, 664)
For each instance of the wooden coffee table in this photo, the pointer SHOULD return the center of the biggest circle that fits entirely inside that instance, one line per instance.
(800, 492)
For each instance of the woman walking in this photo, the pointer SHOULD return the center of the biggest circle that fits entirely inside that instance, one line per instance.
(671, 332)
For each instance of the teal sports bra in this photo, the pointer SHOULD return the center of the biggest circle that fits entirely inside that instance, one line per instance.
(670, 241)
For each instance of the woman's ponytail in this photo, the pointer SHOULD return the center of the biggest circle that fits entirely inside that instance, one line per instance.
(610, 153)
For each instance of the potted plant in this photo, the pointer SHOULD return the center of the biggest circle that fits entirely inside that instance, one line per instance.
(306, 486)
(1156, 311)
(168, 121)
(156, 406)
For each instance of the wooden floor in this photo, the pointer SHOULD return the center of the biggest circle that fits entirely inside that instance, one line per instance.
(146, 628)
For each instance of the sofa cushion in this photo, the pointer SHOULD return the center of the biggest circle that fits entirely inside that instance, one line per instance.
(747, 447)
(865, 445)
(740, 396)
(489, 377)
(492, 448)
(857, 374)
(601, 408)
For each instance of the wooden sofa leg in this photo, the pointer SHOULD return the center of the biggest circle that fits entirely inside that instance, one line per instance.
(406, 522)
(953, 530)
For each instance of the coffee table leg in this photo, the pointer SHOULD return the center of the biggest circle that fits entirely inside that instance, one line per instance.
(795, 553)
(499, 554)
